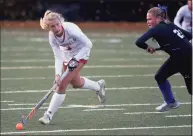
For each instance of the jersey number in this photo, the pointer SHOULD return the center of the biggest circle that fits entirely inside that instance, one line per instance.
(179, 33)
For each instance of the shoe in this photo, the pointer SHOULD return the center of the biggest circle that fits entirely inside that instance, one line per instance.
(101, 92)
(166, 107)
(45, 120)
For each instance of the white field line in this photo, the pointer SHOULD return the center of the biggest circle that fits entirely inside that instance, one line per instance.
(25, 104)
(102, 129)
(176, 116)
(89, 67)
(111, 34)
(106, 60)
(139, 113)
(49, 50)
(5, 101)
(105, 109)
(27, 60)
(83, 106)
(25, 50)
(25, 35)
(76, 90)
(42, 39)
(25, 55)
(25, 78)
(96, 76)
(98, 106)
(94, 34)
(104, 40)
(106, 53)
(133, 59)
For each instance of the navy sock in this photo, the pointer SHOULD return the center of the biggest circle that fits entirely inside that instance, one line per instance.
(166, 92)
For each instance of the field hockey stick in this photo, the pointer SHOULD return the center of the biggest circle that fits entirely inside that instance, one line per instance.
(161, 47)
(33, 111)
(40, 103)
(158, 49)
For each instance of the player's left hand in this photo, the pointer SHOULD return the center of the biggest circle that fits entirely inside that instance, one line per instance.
(72, 64)
(150, 49)
(57, 80)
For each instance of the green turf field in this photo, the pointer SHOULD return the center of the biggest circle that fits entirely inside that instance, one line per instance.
(27, 73)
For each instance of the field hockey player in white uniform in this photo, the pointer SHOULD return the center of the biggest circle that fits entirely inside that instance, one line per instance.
(71, 48)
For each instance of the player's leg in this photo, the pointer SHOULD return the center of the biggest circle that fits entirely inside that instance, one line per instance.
(166, 70)
(188, 82)
(85, 83)
(59, 96)
(186, 72)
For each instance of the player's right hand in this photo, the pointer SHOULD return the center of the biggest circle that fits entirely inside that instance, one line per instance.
(57, 80)
(150, 49)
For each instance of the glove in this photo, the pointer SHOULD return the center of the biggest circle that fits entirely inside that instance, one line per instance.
(72, 64)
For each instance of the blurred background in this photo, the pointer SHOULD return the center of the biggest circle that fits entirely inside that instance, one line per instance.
(27, 70)
(86, 10)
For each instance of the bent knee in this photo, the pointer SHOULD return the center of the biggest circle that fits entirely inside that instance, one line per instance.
(190, 91)
(76, 85)
(189, 88)
(159, 78)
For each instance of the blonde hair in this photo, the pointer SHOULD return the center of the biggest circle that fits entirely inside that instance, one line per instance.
(158, 12)
(50, 15)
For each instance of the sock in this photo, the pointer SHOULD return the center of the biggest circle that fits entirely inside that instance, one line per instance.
(89, 84)
(167, 92)
(56, 101)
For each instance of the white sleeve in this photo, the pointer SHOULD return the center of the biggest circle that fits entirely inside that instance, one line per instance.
(57, 55)
(178, 17)
(81, 53)
(79, 35)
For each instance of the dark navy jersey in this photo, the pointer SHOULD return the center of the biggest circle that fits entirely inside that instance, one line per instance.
(170, 38)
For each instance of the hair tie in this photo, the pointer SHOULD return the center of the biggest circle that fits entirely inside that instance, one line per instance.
(163, 8)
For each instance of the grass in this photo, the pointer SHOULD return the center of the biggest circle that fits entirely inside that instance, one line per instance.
(133, 86)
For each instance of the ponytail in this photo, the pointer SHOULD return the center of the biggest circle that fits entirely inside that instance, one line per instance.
(164, 13)
(49, 15)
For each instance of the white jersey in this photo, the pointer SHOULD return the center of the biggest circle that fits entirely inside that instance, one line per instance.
(185, 14)
(73, 43)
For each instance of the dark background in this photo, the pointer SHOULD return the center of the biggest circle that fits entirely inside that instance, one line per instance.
(85, 10)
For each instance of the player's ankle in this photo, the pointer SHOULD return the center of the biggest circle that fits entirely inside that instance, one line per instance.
(48, 114)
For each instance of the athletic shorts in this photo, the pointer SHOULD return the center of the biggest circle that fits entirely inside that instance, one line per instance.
(83, 60)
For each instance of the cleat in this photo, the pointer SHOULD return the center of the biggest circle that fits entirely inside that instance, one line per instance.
(166, 107)
(101, 92)
(45, 120)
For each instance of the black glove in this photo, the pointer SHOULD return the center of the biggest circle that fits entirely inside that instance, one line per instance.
(72, 64)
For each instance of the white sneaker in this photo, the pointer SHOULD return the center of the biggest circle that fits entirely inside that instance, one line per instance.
(45, 120)
(166, 107)
(101, 92)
